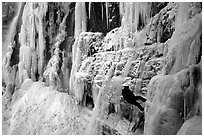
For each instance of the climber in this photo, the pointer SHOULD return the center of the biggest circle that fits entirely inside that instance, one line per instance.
(131, 98)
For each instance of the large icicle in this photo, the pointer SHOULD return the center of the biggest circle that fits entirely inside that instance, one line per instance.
(32, 32)
(77, 18)
(83, 15)
(89, 10)
(24, 39)
(107, 13)
(80, 26)
(102, 10)
(80, 18)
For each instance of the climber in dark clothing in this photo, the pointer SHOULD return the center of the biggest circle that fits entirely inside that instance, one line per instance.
(131, 98)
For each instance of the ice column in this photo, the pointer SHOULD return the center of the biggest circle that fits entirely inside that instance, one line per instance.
(40, 12)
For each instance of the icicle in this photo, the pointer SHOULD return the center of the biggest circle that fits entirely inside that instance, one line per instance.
(117, 83)
(20, 71)
(126, 12)
(107, 14)
(80, 18)
(32, 31)
(76, 62)
(78, 55)
(131, 18)
(77, 19)
(130, 13)
(136, 21)
(73, 71)
(102, 10)
(83, 15)
(89, 10)
(121, 8)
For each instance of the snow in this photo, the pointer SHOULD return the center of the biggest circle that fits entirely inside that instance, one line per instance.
(42, 110)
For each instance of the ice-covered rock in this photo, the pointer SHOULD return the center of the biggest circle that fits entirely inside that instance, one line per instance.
(192, 126)
(178, 90)
(186, 37)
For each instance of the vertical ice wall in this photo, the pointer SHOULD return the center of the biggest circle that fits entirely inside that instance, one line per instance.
(80, 26)
(32, 25)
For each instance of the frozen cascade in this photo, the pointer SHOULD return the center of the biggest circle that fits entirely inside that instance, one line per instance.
(10, 44)
(97, 110)
(53, 71)
(12, 30)
(40, 13)
(31, 21)
(102, 64)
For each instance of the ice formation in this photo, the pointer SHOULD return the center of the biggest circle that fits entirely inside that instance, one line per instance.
(80, 18)
(32, 23)
(158, 55)
(133, 13)
(13, 26)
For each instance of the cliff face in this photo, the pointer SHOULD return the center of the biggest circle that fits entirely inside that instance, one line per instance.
(156, 52)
